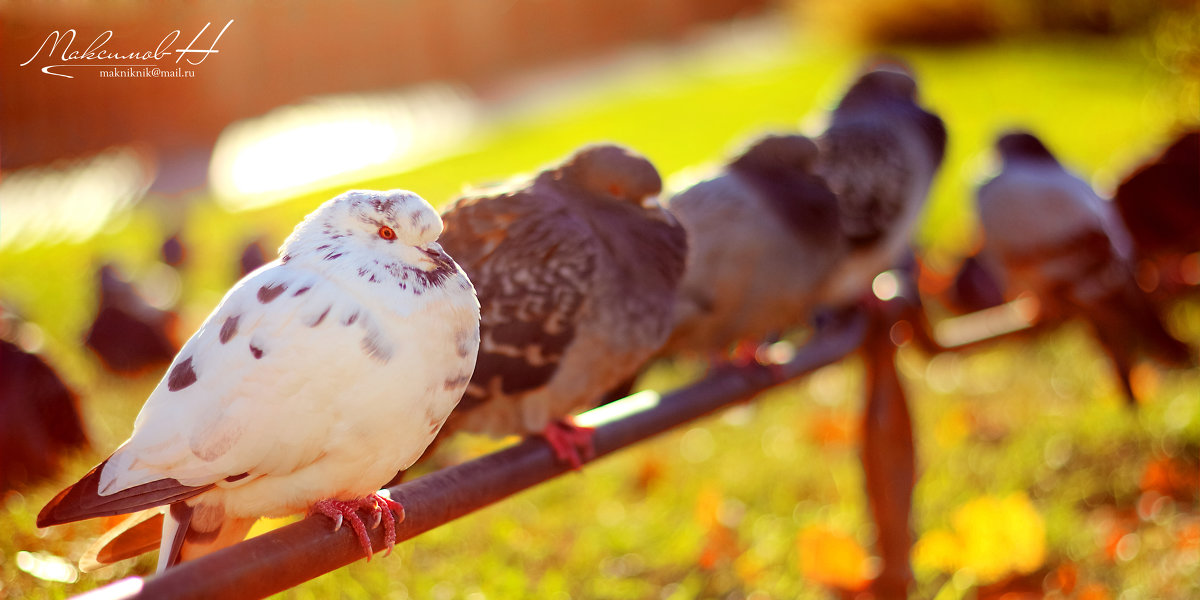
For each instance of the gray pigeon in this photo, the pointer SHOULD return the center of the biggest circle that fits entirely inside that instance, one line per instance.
(763, 237)
(576, 272)
(1050, 234)
(879, 156)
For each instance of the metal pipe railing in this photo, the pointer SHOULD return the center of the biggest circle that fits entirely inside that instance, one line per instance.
(293, 554)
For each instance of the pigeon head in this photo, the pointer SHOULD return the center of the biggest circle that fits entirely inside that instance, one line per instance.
(886, 82)
(610, 171)
(774, 153)
(379, 234)
(1023, 146)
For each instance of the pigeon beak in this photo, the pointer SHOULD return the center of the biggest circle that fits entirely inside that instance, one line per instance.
(437, 260)
(651, 202)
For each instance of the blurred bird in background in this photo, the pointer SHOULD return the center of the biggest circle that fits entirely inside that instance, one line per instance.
(128, 335)
(173, 252)
(576, 271)
(1160, 204)
(39, 414)
(253, 256)
(763, 237)
(879, 155)
(1050, 234)
(974, 287)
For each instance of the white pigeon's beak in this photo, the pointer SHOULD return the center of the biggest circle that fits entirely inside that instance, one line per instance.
(435, 259)
(651, 202)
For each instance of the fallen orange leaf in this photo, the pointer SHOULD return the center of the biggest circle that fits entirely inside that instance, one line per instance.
(1171, 477)
(833, 430)
(1094, 591)
(833, 558)
(1065, 578)
(1188, 537)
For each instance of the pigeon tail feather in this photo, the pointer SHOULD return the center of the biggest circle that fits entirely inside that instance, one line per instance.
(83, 501)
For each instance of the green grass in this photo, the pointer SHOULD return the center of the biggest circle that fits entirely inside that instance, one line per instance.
(716, 509)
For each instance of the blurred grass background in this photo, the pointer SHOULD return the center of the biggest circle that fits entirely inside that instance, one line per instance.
(1034, 479)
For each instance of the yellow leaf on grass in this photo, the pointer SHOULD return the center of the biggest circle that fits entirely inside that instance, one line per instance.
(992, 537)
(833, 558)
(708, 506)
(953, 427)
(937, 550)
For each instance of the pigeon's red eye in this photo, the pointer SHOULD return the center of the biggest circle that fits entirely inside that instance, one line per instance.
(616, 190)
(387, 233)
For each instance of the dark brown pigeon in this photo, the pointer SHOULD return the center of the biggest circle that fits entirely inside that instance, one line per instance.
(128, 334)
(39, 416)
(1160, 204)
(576, 272)
(1051, 235)
(879, 156)
(763, 238)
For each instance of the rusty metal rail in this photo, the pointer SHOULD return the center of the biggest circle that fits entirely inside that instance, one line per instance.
(291, 555)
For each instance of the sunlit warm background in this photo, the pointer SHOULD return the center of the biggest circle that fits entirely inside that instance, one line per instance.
(1035, 480)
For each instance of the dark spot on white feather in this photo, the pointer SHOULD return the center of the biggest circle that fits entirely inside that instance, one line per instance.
(415, 217)
(229, 328)
(256, 351)
(463, 341)
(454, 383)
(270, 292)
(333, 256)
(321, 317)
(181, 376)
(374, 349)
(432, 278)
(302, 290)
(351, 319)
(286, 257)
(233, 478)
(383, 205)
(212, 443)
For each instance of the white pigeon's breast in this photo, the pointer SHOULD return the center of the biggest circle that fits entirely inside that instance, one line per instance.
(312, 389)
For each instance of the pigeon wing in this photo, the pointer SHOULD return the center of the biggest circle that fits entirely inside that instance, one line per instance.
(532, 265)
(241, 397)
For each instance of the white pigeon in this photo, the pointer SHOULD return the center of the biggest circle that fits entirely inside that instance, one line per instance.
(317, 377)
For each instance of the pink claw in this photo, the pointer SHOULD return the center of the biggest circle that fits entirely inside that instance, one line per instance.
(347, 510)
(569, 441)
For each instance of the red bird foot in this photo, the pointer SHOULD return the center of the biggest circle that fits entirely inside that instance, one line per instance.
(380, 506)
(572, 443)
